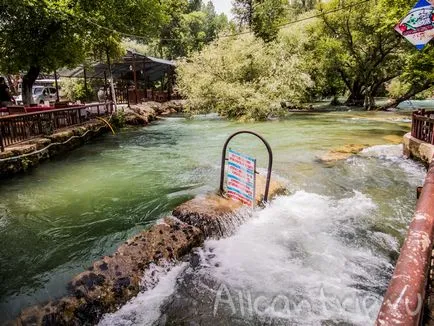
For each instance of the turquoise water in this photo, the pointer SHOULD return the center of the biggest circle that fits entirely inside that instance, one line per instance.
(57, 219)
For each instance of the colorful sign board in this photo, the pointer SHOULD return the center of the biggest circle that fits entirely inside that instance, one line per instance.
(241, 178)
(418, 26)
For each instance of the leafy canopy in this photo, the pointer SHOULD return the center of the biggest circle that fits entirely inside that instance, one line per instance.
(242, 78)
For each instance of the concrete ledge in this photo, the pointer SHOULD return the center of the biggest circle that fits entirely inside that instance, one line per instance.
(113, 280)
(23, 156)
(213, 214)
(417, 149)
(110, 282)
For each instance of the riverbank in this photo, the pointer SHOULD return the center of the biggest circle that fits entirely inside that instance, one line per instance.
(27, 155)
(418, 150)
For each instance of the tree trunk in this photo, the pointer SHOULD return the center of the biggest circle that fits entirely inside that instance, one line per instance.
(12, 85)
(28, 81)
(369, 102)
(355, 99)
(408, 95)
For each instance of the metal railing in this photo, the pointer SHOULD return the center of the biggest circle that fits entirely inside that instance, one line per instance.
(423, 126)
(409, 300)
(270, 161)
(15, 129)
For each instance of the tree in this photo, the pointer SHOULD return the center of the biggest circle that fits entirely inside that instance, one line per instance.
(243, 12)
(45, 35)
(267, 17)
(36, 38)
(194, 5)
(188, 31)
(263, 17)
(358, 46)
(301, 6)
(243, 78)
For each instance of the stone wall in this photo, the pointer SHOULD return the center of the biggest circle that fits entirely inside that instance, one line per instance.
(23, 156)
(26, 155)
(417, 149)
(110, 282)
(144, 113)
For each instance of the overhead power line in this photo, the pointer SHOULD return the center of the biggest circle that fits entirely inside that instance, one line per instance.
(320, 14)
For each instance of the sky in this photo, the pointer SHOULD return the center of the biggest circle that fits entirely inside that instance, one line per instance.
(223, 6)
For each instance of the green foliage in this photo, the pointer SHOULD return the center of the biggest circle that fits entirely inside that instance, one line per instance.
(191, 26)
(263, 17)
(25, 163)
(267, 17)
(242, 78)
(150, 48)
(74, 89)
(358, 50)
(38, 33)
(118, 120)
(397, 88)
(45, 35)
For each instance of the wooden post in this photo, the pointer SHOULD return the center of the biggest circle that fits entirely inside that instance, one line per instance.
(85, 83)
(2, 146)
(135, 80)
(144, 79)
(169, 84)
(57, 87)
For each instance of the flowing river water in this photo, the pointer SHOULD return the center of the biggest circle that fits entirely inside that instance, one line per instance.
(321, 255)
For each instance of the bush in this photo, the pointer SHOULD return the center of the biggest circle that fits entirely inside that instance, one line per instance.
(396, 88)
(242, 78)
(73, 89)
(118, 119)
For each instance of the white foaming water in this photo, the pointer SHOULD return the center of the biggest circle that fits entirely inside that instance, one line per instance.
(384, 151)
(294, 251)
(393, 154)
(305, 259)
(145, 308)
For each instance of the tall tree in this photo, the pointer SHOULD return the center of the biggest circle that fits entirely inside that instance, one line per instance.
(355, 45)
(36, 38)
(48, 34)
(267, 17)
(263, 17)
(194, 5)
(188, 31)
(243, 11)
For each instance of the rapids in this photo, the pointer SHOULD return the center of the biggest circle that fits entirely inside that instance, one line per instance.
(321, 255)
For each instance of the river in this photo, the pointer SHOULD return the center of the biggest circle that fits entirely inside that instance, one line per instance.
(323, 254)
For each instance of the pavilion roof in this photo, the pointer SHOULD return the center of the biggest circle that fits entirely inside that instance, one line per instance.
(147, 67)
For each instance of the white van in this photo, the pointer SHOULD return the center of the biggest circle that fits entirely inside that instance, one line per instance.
(40, 95)
(43, 91)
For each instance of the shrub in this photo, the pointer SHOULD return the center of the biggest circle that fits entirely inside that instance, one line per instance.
(242, 78)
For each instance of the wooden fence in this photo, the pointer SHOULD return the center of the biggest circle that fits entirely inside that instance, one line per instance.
(18, 128)
(423, 126)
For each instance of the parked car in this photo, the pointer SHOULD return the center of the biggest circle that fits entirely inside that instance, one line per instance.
(40, 95)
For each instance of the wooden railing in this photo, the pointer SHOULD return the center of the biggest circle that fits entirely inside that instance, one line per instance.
(423, 126)
(18, 128)
(121, 94)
